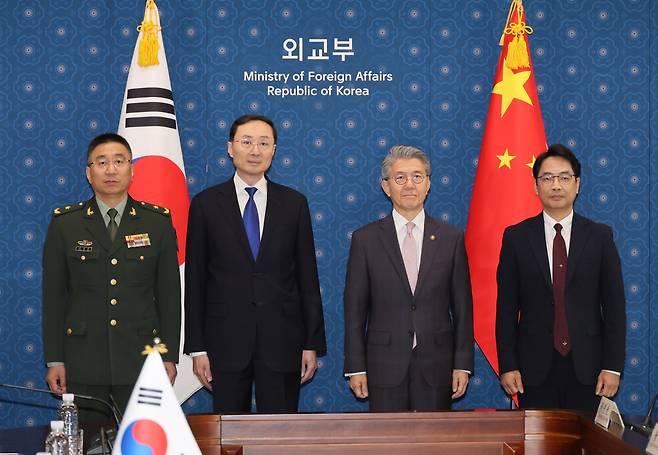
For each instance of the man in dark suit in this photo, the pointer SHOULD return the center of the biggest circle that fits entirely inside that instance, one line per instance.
(252, 296)
(408, 303)
(111, 283)
(560, 319)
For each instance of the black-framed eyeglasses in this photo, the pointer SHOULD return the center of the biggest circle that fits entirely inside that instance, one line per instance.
(104, 163)
(547, 179)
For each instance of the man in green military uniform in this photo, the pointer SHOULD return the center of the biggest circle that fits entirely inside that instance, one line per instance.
(111, 283)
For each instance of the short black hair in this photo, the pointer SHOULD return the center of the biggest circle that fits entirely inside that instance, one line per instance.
(106, 138)
(250, 118)
(559, 151)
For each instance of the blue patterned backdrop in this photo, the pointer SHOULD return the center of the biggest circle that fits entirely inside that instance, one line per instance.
(63, 67)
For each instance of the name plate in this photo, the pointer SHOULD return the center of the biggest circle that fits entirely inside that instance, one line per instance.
(609, 412)
(652, 446)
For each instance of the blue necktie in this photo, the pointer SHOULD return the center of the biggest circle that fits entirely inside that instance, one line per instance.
(250, 219)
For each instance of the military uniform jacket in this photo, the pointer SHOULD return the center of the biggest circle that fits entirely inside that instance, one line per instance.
(104, 301)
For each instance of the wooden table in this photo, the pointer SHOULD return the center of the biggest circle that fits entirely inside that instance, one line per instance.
(436, 433)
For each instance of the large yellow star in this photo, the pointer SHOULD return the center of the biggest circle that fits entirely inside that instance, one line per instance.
(511, 88)
(531, 163)
(505, 159)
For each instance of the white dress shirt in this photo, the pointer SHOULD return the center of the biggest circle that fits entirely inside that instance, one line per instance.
(549, 235)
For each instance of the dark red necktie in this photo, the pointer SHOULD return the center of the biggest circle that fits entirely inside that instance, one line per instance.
(560, 328)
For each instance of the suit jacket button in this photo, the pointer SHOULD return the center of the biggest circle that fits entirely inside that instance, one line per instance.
(113, 322)
(114, 261)
(69, 331)
(83, 257)
(113, 302)
(113, 282)
(413, 307)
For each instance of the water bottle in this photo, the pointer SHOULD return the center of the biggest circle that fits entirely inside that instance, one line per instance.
(56, 442)
(68, 413)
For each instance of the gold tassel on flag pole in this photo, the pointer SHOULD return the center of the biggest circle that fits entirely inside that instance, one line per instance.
(517, 51)
(158, 345)
(150, 27)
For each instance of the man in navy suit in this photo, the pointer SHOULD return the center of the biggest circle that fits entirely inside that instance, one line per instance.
(560, 320)
(408, 303)
(253, 313)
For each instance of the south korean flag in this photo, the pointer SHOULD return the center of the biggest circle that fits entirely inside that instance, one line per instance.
(154, 421)
(148, 122)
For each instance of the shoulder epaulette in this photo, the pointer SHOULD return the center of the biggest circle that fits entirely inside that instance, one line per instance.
(155, 208)
(68, 209)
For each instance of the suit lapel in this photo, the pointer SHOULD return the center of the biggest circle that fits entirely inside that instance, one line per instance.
(95, 225)
(389, 240)
(228, 201)
(576, 244)
(273, 213)
(537, 239)
(431, 242)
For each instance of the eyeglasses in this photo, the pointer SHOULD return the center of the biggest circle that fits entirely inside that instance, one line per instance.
(547, 179)
(402, 179)
(248, 142)
(104, 163)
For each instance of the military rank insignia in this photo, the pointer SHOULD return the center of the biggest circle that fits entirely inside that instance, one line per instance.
(138, 240)
(84, 246)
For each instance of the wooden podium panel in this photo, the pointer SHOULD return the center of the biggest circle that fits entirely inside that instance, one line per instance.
(432, 433)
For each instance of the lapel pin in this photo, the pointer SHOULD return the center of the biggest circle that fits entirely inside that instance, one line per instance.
(90, 212)
(132, 211)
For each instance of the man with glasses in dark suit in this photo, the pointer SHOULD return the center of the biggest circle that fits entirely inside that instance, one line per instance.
(560, 319)
(408, 303)
(253, 314)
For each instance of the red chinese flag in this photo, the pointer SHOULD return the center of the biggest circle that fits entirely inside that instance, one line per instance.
(503, 193)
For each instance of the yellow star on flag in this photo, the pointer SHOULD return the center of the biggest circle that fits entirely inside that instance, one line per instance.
(532, 163)
(505, 159)
(511, 88)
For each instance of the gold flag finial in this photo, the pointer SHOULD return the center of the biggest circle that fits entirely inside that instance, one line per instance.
(158, 346)
(149, 28)
(517, 50)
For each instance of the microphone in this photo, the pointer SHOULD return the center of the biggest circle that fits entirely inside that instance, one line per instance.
(647, 419)
(646, 426)
(116, 414)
